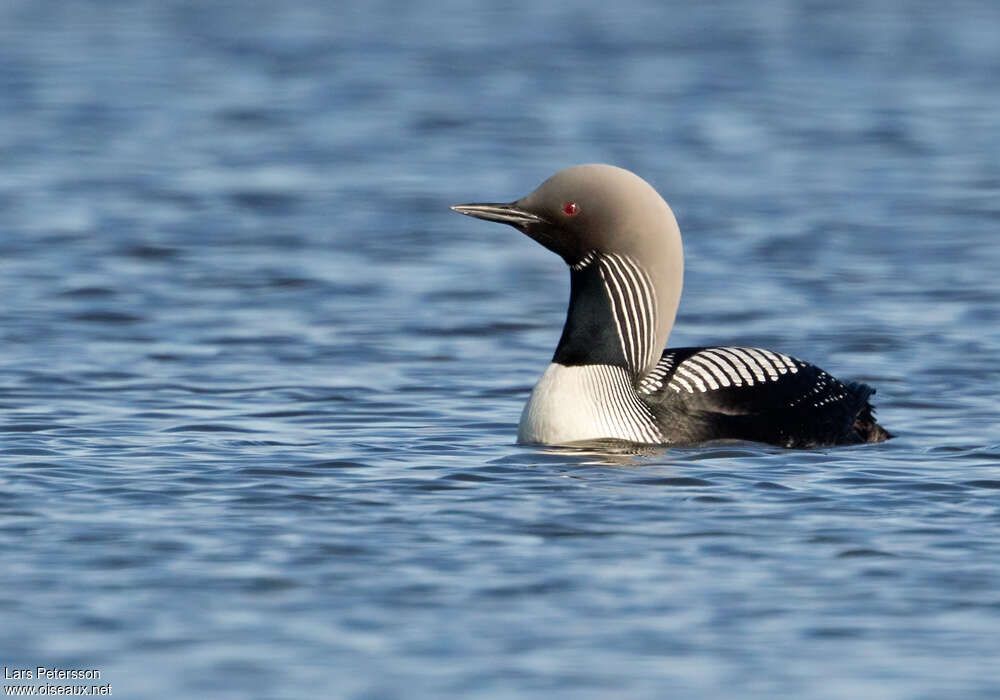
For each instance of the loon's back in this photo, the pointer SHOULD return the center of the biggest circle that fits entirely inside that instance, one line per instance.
(712, 393)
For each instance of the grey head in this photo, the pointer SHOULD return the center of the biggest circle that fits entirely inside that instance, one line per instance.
(622, 243)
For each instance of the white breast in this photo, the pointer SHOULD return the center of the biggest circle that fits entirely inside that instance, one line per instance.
(589, 402)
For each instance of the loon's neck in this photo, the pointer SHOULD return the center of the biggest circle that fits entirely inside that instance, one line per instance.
(612, 318)
(585, 403)
(614, 334)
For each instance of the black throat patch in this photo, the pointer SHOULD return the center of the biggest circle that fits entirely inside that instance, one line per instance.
(589, 336)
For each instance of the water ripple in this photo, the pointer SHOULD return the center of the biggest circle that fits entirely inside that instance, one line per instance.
(259, 387)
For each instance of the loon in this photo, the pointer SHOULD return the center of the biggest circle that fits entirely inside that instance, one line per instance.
(610, 378)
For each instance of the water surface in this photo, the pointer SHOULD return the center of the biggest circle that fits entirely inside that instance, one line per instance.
(259, 387)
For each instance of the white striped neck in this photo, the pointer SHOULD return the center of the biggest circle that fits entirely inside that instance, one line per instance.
(616, 326)
(615, 316)
(584, 403)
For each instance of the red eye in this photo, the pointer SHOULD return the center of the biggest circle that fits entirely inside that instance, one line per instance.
(571, 209)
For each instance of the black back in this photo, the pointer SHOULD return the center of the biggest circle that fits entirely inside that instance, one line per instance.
(802, 406)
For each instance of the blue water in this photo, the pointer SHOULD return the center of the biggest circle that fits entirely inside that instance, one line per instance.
(259, 387)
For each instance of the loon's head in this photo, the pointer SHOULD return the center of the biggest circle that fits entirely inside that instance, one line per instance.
(588, 211)
(589, 208)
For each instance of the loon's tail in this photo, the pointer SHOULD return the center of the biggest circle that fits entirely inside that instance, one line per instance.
(867, 429)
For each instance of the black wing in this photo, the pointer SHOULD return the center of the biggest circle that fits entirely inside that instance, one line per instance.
(753, 394)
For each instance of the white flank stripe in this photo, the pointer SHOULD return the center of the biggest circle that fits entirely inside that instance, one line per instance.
(750, 363)
(662, 367)
(656, 373)
(691, 375)
(764, 362)
(775, 358)
(709, 362)
(692, 365)
(585, 260)
(726, 364)
(654, 380)
(738, 362)
(789, 362)
(675, 381)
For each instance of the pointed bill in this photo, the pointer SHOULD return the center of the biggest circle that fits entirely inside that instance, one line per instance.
(504, 213)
